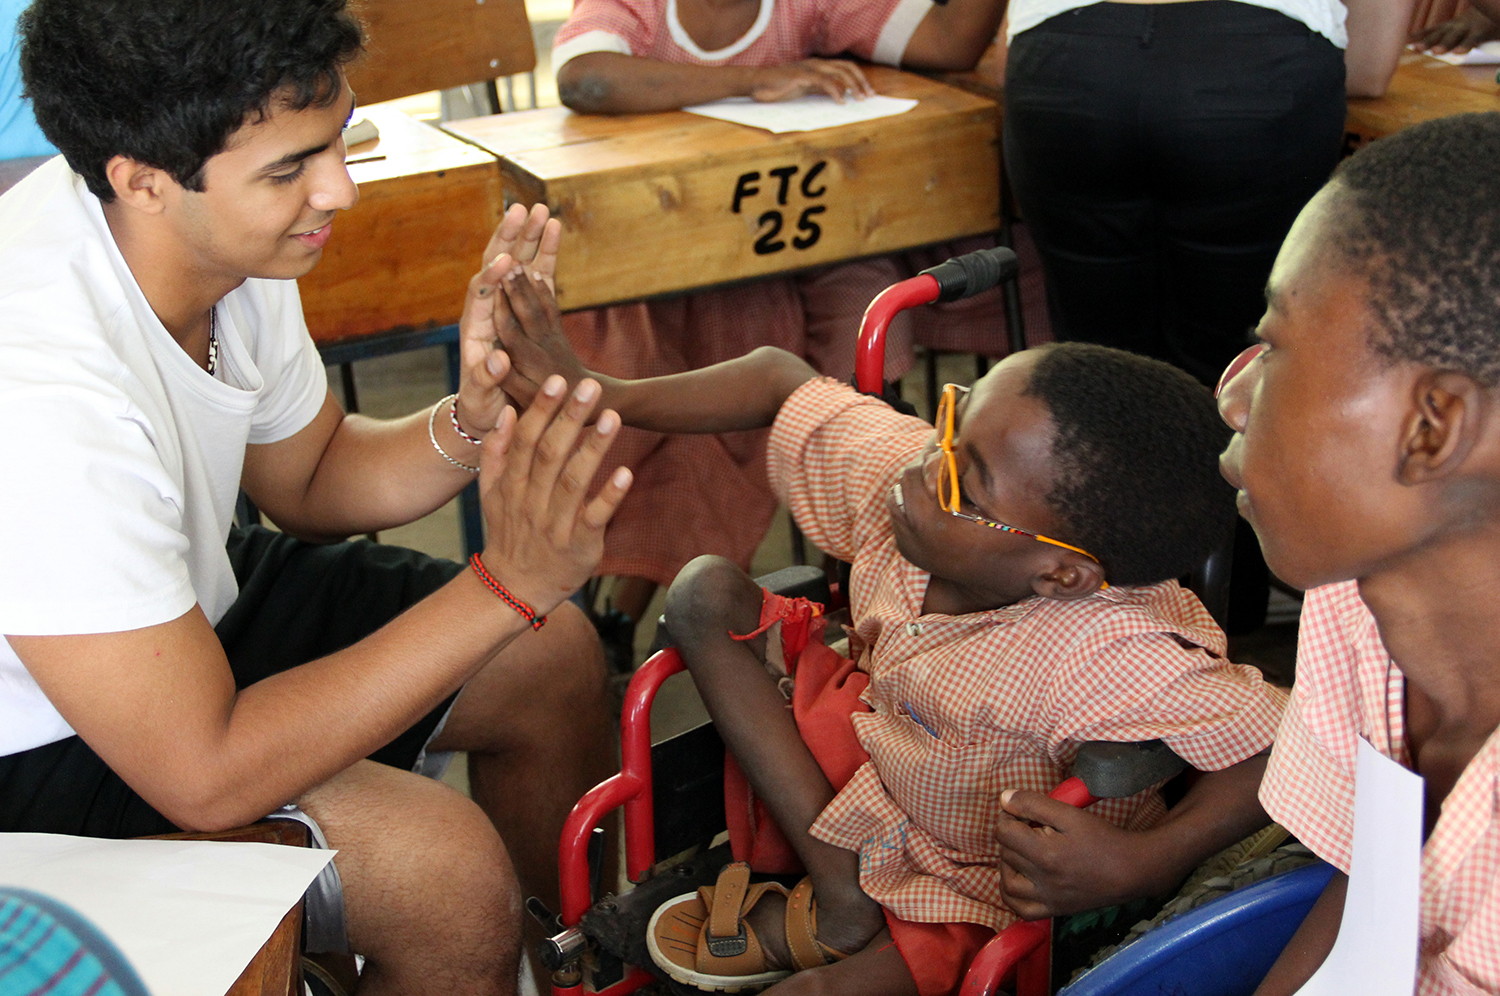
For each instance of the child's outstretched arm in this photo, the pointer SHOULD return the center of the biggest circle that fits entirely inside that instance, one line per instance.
(743, 393)
(612, 83)
(1076, 861)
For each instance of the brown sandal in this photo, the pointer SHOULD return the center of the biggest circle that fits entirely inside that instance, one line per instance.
(702, 938)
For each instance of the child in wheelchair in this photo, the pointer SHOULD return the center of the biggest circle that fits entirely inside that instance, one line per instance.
(1012, 593)
(1367, 454)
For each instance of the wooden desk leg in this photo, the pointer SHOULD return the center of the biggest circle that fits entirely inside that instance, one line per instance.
(276, 969)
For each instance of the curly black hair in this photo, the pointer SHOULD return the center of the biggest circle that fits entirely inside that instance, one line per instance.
(1136, 453)
(167, 82)
(1419, 216)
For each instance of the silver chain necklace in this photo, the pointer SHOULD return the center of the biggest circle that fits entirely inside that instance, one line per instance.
(213, 340)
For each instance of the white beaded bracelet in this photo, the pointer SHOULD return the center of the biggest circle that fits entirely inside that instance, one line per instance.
(432, 435)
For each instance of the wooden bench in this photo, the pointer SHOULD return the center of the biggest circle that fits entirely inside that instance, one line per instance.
(662, 203)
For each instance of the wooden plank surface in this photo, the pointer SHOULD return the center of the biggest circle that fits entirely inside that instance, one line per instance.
(1422, 88)
(662, 203)
(413, 46)
(402, 257)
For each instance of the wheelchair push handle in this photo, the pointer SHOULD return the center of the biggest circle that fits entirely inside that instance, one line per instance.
(960, 277)
(974, 272)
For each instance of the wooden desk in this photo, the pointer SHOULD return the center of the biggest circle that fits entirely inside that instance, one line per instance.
(401, 259)
(1422, 88)
(662, 203)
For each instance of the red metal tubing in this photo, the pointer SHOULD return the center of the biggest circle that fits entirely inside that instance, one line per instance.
(869, 359)
(635, 759)
(996, 962)
(1074, 793)
(573, 848)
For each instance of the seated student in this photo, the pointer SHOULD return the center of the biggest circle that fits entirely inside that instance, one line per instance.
(154, 360)
(1012, 594)
(1367, 454)
(707, 493)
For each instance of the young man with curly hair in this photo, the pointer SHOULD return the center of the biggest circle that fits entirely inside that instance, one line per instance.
(154, 361)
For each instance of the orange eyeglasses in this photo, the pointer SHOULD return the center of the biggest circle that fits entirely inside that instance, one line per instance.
(950, 495)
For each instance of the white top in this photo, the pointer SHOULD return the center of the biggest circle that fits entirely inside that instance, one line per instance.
(121, 457)
(1326, 17)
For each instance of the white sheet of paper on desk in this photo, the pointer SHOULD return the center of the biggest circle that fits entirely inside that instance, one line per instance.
(1376, 950)
(1485, 54)
(188, 915)
(804, 113)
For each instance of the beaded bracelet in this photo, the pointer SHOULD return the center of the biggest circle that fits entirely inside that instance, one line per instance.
(526, 612)
(453, 417)
(432, 435)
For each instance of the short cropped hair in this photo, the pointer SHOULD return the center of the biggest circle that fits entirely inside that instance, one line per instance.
(1419, 217)
(166, 82)
(1136, 454)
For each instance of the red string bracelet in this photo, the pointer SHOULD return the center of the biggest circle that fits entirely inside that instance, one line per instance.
(526, 612)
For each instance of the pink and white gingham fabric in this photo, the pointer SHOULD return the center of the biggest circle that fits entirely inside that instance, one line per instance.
(784, 31)
(968, 706)
(1347, 686)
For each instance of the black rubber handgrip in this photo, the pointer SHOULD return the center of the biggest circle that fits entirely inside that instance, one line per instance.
(967, 275)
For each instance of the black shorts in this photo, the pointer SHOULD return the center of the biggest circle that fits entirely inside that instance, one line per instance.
(298, 602)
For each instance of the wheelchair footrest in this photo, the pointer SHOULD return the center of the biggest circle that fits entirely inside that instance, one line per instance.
(618, 923)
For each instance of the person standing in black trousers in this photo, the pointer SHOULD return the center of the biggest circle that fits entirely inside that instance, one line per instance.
(1159, 152)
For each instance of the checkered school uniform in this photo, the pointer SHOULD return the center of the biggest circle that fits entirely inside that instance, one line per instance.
(1348, 686)
(968, 706)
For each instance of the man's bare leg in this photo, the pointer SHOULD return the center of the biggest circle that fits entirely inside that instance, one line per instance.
(710, 599)
(429, 894)
(539, 730)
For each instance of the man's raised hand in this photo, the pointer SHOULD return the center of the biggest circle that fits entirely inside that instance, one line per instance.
(523, 237)
(544, 540)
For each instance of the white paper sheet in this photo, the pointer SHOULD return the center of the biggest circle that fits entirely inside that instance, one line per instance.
(804, 113)
(188, 915)
(1485, 54)
(1376, 950)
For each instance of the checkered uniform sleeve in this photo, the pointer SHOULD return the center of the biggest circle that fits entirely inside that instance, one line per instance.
(876, 30)
(623, 26)
(833, 457)
(1309, 783)
(1211, 712)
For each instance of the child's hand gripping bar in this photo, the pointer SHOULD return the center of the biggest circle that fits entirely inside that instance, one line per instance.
(962, 276)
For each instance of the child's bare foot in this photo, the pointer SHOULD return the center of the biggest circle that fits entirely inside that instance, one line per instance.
(845, 923)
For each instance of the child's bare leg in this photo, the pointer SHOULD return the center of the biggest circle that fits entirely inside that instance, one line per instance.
(878, 970)
(710, 599)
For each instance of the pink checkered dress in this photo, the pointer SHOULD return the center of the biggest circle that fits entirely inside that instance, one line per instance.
(1348, 686)
(968, 706)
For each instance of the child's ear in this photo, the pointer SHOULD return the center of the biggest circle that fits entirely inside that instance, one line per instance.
(1071, 576)
(1442, 427)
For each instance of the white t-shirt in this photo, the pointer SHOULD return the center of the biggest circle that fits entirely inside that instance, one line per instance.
(1326, 17)
(120, 457)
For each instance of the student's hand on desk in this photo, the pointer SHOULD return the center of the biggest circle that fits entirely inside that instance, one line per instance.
(1457, 35)
(1072, 861)
(544, 539)
(837, 78)
(523, 237)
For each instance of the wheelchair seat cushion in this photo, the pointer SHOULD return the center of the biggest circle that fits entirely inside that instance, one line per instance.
(703, 938)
